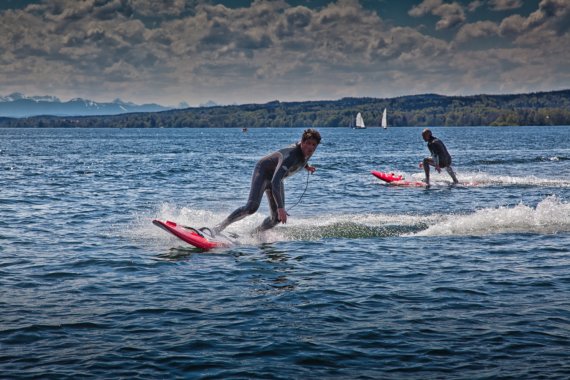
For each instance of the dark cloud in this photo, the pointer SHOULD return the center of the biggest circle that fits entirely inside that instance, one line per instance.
(502, 5)
(556, 14)
(296, 20)
(173, 50)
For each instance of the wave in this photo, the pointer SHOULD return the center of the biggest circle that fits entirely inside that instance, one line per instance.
(482, 179)
(524, 161)
(550, 216)
(356, 226)
(297, 229)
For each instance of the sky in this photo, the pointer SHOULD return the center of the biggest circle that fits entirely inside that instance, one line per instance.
(255, 51)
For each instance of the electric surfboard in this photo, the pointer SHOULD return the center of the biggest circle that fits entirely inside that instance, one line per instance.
(399, 180)
(194, 236)
(396, 180)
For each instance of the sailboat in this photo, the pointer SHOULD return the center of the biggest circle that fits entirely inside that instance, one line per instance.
(384, 123)
(359, 122)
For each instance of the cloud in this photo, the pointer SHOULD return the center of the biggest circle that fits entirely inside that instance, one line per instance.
(552, 14)
(513, 26)
(451, 15)
(169, 8)
(550, 21)
(472, 6)
(503, 5)
(426, 7)
(535, 60)
(480, 29)
(516, 70)
(145, 51)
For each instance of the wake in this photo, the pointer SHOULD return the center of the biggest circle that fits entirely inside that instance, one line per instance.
(481, 179)
(550, 216)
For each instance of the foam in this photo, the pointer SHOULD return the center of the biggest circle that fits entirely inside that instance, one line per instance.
(550, 216)
(481, 179)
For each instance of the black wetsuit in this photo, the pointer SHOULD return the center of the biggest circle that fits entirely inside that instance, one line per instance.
(439, 157)
(439, 152)
(268, 176)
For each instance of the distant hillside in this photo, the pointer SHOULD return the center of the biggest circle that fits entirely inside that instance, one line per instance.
(544, 108)
(19, 105)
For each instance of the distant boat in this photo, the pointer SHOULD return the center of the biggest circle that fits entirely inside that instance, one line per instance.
(244, 129)
(359, 122)
(384, 123)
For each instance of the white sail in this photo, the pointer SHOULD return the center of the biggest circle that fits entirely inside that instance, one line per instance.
(384, 120)
(359, 121)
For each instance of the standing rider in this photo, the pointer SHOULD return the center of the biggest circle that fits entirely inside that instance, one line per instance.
(440, 157)
(268, 176)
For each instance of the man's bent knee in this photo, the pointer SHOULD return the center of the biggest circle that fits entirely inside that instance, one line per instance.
(251, 207)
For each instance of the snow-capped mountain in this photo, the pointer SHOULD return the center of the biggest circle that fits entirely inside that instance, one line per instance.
(20, 105)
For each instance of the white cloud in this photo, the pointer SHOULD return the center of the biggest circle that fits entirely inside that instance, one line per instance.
(160, 8)
(548, 23)
(476, 30)
(513, 26)
(425, 7)
(472, 6)
(536, 60)
(450, 15)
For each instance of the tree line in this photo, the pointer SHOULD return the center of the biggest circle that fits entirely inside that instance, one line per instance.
(542, 108)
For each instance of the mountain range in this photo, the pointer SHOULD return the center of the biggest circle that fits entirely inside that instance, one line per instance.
(19, 105)
(540, 108)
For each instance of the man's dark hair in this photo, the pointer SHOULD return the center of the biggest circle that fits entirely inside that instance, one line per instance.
(311, 134)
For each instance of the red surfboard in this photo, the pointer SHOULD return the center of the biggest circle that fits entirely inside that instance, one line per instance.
(193, 236)
(396, 180)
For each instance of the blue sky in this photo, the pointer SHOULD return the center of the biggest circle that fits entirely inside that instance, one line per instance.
(244, 51)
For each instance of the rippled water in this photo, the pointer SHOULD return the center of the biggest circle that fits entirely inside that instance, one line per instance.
(364, 281)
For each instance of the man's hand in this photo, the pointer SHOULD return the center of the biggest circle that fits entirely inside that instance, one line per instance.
(282, 215)
(310, 169)
(438, 168)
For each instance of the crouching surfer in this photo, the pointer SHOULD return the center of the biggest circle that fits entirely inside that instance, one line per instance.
(268, 176)
(440, 157)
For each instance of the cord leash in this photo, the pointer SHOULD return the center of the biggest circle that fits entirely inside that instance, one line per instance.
(301, 197)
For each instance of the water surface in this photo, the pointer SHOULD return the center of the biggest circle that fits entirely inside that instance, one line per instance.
(364, 281)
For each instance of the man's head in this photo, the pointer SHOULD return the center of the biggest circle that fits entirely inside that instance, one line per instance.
(309, 141)
(311, 134)
(426, 134)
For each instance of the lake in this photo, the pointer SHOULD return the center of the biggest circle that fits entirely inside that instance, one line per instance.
(365, 281)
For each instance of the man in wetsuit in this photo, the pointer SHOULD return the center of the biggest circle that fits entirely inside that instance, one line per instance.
(268, 177)
(440, 157)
